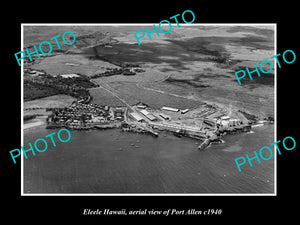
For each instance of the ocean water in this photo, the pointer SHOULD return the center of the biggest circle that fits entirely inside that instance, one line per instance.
(113, 161)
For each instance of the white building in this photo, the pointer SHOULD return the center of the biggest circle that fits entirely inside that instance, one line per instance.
(170, 109)
(144, 112)
(184, 111)
(225, 123)
(234, 122)
(136, 116)
(225, 118)
(165, 117)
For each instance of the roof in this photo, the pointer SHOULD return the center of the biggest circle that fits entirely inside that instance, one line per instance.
(150, 116)
(136, 116)
(145, 112)
(164, 116)
(184, 111)
(141, 106)
(170, 109)
(225, 117)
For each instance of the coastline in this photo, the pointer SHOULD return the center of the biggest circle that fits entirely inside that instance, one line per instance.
(34, 123)
(146, 164)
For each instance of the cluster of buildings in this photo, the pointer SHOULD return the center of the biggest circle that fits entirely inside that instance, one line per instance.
(127, 69)
(226, 122)
(118, 114)
(138, 117)
(209, 122)
(170, 109)
(142, 112)
(81, 115)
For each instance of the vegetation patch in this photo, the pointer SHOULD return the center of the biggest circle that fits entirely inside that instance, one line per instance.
(194, 83)
(46, 85)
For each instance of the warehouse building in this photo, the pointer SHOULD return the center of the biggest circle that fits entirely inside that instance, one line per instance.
(184, 111)
(165, 117)
(151, 117)
(136, 116)
(170, 109)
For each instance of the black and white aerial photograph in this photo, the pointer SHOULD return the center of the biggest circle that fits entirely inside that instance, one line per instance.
(163, 117)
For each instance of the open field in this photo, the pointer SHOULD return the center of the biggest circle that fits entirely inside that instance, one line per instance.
(260, 103)
(196, 62)
(103, 97)
(72, 64)
(134, 94)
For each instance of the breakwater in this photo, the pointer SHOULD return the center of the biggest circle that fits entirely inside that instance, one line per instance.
(216, 137)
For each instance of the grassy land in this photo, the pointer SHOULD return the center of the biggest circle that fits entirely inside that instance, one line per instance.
(134, 94)
(103, 97)
(199, 62)
(260, 103)
(62, 64)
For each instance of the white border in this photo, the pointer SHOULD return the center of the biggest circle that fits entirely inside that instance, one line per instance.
(151, 194)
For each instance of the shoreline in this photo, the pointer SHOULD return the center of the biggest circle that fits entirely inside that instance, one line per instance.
(34, 123)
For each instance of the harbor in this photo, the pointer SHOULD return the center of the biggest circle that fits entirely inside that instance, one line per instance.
(112, 161)
(207, 123)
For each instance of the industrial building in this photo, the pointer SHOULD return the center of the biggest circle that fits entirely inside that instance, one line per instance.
(184, 111)
(226, 121)
(148, 115)
(225, 118)
(151, 117)
(234, 122)
(170, 109)
(137, 116)
(141, 106)
(144, 112)
(164, 116)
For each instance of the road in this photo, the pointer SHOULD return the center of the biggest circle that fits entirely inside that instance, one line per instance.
(163, 125)
(111, 90)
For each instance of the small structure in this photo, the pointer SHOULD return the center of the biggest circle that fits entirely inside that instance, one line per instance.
(184, 111)
(165, 117)
(225, 123)
(234, 122)
(71, 64)
(141, 106)
(32, 72)
(225, 118)
(69, 75)
(209, 122)
(170, 109)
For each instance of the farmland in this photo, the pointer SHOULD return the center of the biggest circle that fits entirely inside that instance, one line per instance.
(191, 65)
